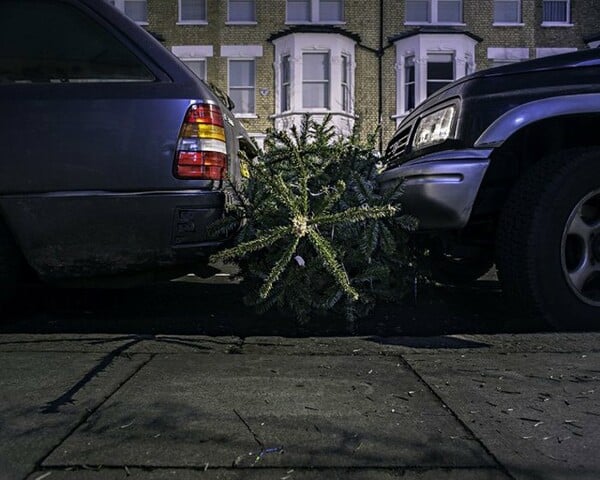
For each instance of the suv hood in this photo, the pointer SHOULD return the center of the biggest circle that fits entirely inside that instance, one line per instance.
(582, 58)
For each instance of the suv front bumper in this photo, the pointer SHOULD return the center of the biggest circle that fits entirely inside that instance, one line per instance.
(440, 188)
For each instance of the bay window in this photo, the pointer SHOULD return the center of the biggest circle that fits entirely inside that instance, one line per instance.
(426, 62)
(314, 75)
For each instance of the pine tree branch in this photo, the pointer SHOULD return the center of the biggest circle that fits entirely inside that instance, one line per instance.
(327, 253)
(354, 214)
(245, 248)
(278, 269)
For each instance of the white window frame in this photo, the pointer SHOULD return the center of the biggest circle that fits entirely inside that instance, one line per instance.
(565, 23)
(181, 21)
(120, 4)
(239, 114)
(315, 15)
(434, 14)
(518, 22)
(241, 22)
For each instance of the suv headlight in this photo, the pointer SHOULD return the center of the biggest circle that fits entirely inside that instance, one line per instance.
(435, 128)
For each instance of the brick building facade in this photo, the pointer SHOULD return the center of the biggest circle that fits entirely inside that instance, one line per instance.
(371, 60)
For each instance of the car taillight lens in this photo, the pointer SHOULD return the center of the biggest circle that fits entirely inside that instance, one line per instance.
(201, 149)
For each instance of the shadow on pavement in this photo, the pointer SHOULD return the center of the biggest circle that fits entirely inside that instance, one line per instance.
(216, 308)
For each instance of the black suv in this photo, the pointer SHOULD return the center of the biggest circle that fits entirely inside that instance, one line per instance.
(504, 166)
(113, 154)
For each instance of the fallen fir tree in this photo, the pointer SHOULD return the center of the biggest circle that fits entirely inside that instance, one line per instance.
(317, 236)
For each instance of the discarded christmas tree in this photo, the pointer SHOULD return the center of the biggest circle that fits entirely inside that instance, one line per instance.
(317, 236)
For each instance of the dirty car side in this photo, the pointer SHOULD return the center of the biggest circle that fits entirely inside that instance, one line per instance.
(92, 110)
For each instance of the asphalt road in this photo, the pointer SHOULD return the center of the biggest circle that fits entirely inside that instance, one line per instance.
(215, 307)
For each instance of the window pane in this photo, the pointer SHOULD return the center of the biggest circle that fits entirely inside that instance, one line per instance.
(555, 11)
(440, 67)
(241, 73)
(417, 11)
(241, 11)
(72, 47)
(285, 83)
(345, 85)
(409, 76)
(315, 95)
(298, 10)
(315, 76)
(506, 11)
(315, 66)
(243, 98)
(331, 11)
(136, 10)
(440, 71)
(193, 10)
(198, 67)
(449, 11)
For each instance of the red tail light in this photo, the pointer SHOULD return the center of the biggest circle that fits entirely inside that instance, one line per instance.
(201, 149)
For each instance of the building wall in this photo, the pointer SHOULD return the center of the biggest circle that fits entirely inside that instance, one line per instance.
(362, 18)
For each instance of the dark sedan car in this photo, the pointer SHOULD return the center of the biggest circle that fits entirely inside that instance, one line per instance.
(113, 154)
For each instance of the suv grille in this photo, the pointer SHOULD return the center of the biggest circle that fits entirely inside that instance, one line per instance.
(397, 147)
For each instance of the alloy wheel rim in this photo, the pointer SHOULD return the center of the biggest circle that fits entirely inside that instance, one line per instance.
(580, 249)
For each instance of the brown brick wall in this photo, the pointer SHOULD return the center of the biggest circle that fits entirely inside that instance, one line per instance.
(362, 17)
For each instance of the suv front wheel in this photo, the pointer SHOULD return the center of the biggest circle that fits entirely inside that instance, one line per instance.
(548, 242)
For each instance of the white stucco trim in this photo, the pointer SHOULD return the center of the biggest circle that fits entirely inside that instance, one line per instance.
(507, 54)
(547, 52)
(245, 51)
(193, 51)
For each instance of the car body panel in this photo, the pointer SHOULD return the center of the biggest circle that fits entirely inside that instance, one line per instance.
(87, 182)
(532, 112)
(439, 189)
(493, 105)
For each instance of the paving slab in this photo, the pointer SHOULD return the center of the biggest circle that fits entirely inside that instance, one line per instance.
(400, 345)
(538, 414)
(44, 396)
(271, 474)
(107, 343)
(273, 411)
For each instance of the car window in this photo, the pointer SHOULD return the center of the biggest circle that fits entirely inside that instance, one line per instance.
(52, 41)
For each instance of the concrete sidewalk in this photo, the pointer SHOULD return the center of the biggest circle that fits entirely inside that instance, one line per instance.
(191, 407)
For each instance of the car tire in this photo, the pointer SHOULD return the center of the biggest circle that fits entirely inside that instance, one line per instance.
(451, 270)
(549, 238)
(11, 267)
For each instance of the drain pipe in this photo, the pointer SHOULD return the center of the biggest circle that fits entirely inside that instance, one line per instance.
(380, 77)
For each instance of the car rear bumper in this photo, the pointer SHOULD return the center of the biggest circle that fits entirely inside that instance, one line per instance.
(440, 188)
(98, 233)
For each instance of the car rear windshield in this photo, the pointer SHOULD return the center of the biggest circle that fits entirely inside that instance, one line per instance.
(53, 41)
